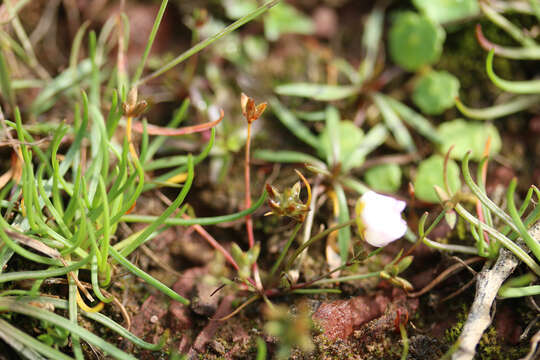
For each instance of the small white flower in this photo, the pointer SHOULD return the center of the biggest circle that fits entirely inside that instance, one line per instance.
(379, 218)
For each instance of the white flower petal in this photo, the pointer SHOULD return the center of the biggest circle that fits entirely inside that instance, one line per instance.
(381, 218)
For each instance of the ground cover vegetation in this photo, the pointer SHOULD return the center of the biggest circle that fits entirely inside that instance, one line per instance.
(247, 179)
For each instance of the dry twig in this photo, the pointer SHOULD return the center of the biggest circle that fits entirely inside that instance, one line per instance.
(488, 283)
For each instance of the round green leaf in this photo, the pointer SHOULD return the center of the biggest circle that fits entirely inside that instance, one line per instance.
(467, 135)
(350, 137)
(384, 178)
(430, 173)
(435, 92)
(415, 40)
(443, 11)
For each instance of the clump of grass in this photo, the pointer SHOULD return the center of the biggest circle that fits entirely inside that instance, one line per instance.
(62, 210)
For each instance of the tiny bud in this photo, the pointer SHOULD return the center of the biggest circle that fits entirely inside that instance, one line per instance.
(402, 283)
(404, 264)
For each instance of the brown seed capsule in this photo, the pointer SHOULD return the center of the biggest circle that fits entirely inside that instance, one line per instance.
(251, 111)
(132, 107)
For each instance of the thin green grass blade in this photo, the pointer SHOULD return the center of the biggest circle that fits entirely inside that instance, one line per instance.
(375, 137)
(139, 240)
(415, 120)
(394, 123)
(150, 41)
(42, 274)
(286, 156)
(30, 342)
(371, 41)
(519, 103)
(72, 310)
(198, 221)
(5, 81)
(18, 306)
(288, 119)
(333, 126)
(344, 234)
(517, 87)
(149, 279)
(515, 32)
(532, 243)
(203, 44)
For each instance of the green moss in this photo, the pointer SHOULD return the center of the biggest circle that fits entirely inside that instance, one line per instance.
(451, 335)
(465, 58)
(490, 346)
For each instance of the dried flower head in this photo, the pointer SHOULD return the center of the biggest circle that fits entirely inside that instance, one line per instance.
(289, 203)
(132, 107)
(251, 111)
(379, 218)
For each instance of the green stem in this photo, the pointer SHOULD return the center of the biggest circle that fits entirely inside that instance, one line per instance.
(515, 105)
(316, 291)
(507, 243)
(347, 278)
(106, 238)
(42, 274)
(72, 310)
(103, 320)
(484, 199)
(315, 238)
(344, 234)
(517, 87)
(285, 249)
(15, 305)
(30, 342)
(149, 279)
(511, 29)
(13, 245)
(533, 244)
(143, 236)
(94, 276)
(150, 41)
(197, 221)
(449, 247)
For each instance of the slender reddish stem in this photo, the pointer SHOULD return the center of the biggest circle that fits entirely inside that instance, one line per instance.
(483, 41)
(247, 201)
(158, 130)
(213, 242)
(247, 204)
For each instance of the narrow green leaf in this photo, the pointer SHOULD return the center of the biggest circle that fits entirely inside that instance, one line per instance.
(344, 234)
(517, 104)
(517, 87)
(394, 123)
(288, 119)
(319, 92)
(414, 119)
(285, 156)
